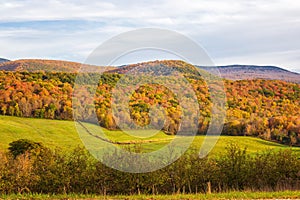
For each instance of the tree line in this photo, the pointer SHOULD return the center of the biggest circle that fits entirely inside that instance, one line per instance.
(30, 167)
(263, 108)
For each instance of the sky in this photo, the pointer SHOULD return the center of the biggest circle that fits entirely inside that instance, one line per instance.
(259, 32)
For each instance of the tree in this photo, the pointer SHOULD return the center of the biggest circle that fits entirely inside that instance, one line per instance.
(22, 146)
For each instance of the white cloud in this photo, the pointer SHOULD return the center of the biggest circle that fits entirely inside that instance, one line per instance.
(228, 29)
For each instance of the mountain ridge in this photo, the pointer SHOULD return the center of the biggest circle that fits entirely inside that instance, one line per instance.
(244, 72)
(3, 60)
(231, 72)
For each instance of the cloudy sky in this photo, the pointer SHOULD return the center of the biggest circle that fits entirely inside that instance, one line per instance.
(262, 32)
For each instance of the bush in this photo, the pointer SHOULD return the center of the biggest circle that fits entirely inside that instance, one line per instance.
(22, 146)
(55, 172)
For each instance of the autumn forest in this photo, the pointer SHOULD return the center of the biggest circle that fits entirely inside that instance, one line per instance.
(268, 109)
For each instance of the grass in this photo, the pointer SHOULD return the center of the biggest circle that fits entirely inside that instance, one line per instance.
(64, 135)
(229, 195)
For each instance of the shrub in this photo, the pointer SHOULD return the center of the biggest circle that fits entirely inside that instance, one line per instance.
(55, 172)
(22, 146)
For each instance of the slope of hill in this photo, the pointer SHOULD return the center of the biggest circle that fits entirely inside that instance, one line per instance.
(232, 72)
(63, 134)
(2, 60)
(34, 65)
(162, 67)
(242, 72)
(267, 109)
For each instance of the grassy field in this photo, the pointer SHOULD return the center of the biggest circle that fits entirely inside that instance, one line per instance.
(229, 195)
(63, 134)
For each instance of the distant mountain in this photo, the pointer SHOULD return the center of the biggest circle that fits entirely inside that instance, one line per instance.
(34, 65)
(232, 72)
(243, 72)
(40, 65)
(163, 67)
(2, 60)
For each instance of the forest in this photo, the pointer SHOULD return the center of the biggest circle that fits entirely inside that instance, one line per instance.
(268, 109)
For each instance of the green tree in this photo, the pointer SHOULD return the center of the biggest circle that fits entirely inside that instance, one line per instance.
(22, 146)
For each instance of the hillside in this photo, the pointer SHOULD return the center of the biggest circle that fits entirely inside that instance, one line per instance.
(267, 109)
(2, 60)
(261, 108)
(35, 65)
(242, 72)
(157, 68)
(63, 134)
(231, 72)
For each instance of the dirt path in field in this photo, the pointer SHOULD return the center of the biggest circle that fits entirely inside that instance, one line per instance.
(122, 143)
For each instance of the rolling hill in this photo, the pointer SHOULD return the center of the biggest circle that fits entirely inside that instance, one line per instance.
(231, 72)
(2, 60)
(62, 134)
(242, 72)
(262, 108)
(35, 65)
(32, 65)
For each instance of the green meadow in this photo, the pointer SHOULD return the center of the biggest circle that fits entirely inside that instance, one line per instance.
(63, 135)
